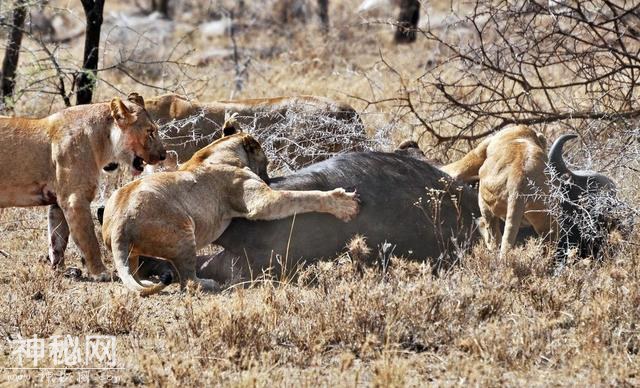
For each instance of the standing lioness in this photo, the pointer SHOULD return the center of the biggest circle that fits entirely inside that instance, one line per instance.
(171, 215)
(513, 186)
(57, 161)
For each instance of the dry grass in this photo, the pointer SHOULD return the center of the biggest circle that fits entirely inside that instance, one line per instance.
(487, 322)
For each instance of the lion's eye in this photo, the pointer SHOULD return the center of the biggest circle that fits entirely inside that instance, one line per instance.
(151, 133)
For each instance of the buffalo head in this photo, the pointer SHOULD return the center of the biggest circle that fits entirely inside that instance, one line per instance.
(588, 206)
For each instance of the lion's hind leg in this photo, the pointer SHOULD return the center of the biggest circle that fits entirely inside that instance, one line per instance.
(185, 266)
(542, 221)
(489, 226)
(515, 212)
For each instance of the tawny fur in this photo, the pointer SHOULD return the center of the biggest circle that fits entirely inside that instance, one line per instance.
(258, 112)
(57, 160)
(510, 166)
(171, 215)
(170, 163)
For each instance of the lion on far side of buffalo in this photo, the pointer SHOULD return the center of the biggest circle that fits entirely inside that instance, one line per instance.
(316, 128)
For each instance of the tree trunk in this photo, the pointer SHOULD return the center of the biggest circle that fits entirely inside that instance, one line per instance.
(12, 54)
(323, 12)
(86, 82)
(407, 21)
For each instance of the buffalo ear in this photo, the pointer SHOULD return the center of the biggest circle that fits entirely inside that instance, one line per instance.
(171, 161)
(121, 113)
(136, 99)
(542, 140)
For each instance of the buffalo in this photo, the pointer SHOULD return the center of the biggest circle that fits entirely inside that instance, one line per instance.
(588, 209)
(408, 207)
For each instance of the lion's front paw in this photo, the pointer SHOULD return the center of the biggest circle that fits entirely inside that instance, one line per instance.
(97, 271)
(346, 205)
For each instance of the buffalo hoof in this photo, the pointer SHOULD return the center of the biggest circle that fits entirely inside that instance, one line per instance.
(73, 273)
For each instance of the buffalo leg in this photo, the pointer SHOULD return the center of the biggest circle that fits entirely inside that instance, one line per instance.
(58, 231)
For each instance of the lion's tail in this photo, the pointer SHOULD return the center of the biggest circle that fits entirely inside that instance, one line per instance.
(122, 258)
(466, 169)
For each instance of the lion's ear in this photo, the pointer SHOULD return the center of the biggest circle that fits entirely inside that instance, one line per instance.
(181, 107)
(136, 99)
(121, 113)
(251, 145)
(229, 130)
(230, 126)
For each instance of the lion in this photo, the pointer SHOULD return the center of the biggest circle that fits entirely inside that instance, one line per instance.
(510, 166)
(171, 215)
(189, 124)
(56, 161)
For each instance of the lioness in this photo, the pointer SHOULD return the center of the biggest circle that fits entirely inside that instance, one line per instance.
(318, 126)
(171, 215)
(510, 166)
(56, 161)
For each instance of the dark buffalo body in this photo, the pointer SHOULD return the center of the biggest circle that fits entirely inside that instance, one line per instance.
(404, 201)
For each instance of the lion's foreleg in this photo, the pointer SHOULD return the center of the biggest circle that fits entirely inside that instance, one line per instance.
(78, 214)
(267, 204)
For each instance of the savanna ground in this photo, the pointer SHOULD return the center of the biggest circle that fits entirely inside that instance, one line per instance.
(485, 322)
